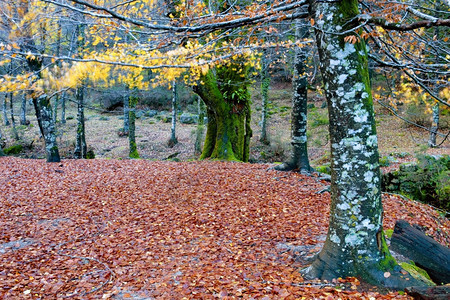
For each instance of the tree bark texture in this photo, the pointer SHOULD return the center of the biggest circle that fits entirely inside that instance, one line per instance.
(2, 144)
(423, 250)
(228, 108)
(173, 134)
(48, 130)
(80, 146)
(4, 111)
(434, 125)
(200, 126)
(13, 120)
(126, 113)
(355, 244)
(265, 83)
(429, 293)
(299, 159)
(133, 99)
(63, 108)
(23, 110)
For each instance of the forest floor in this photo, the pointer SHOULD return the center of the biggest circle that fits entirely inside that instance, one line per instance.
(139, 229)
(145, 229)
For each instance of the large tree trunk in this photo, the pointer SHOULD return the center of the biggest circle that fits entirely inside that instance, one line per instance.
(80, 146)
(355, 244)
(228, 131)
(299, 159)
(47, 126)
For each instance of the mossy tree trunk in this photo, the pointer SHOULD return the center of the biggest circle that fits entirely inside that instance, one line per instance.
(227, 101)
(299, 159)
(48, 130)
(355, 244)
(80, 146)
(265, 83)
(133, 100)
(43, 109)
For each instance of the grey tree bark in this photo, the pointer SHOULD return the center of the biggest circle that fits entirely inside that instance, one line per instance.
(80, 146)
(173, 137)
(265, 83)
(434, 126)
(13, 120)
(43, 109)
(4, 111)
(355, 244)
(133, 99)
(48, 130)
(299, 159)
(200, 126)
(126, 113)
(23, 110)
(58, 52)
(1, 145)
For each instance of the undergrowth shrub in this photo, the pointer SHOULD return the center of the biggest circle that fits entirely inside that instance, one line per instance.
(427, 181)
(14, 149)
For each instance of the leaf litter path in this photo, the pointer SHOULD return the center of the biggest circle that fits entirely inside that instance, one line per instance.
(163, 230)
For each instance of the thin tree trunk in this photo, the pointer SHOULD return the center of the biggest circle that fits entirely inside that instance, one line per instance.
(80, 146)
(173, 137)
(23, 110)
(73, 44)
(63, 108)
(265, 83)
(13, 120)
(1, 145)
(434, 125)
(355, 244)
(47, 126)
(58, 52)
(55, 108)
(299, 159)
(200, 126)
(4, 110)
(126, 112)
(133, 99)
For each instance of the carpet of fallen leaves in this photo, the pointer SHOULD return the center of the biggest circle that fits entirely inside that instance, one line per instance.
(139, 229)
